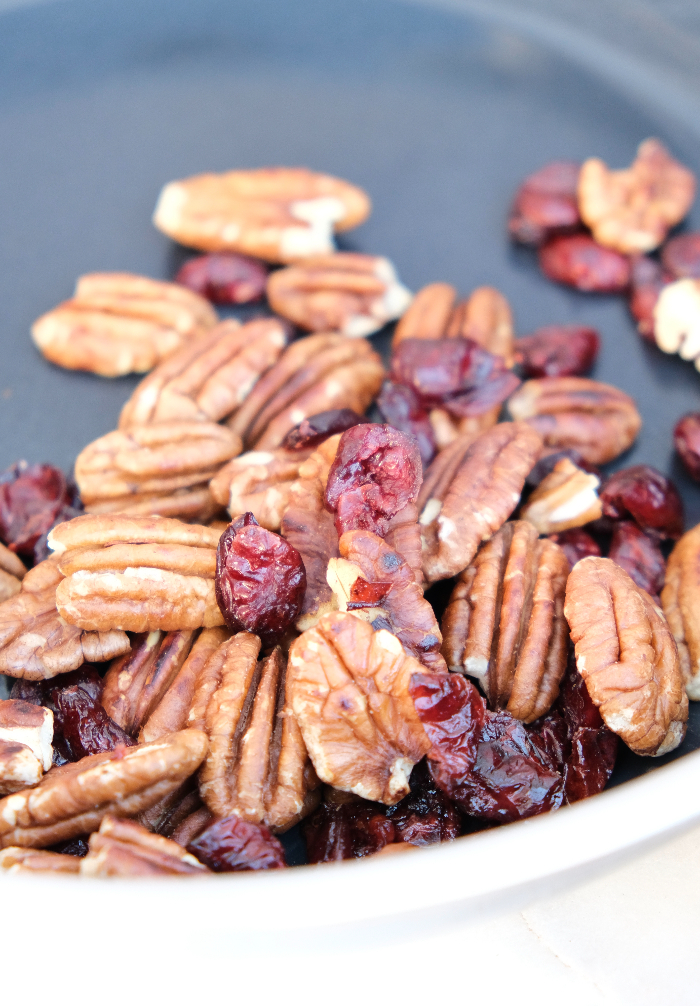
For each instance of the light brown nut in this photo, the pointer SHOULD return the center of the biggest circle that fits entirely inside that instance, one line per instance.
(349, 293)
(596, 419)
(164, 817)
(349, 692)
(680, 599)
(123, 848)
(12, 571)
(259, 482)
(447, 428)
(15, 859)
(35, 643)
(73, 799)
(194, 504)
(626, 655)
(565, 498)
(257, 766)
(26, 733)
(677, 319)
(633, 210)
(118, 323)
(472, 495)
(504, 624)
(208, 379)
(277, 214)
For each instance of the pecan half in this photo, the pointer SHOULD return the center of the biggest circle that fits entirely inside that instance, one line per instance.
(26, 732)
(595, 419)
(633, 210)
(15, 859)
(347, 292)
(12, 571)
(565, 498)
(680, 599)
(676, 319)
(259, 482)
(122, 848)
(277, 214)
(627, 656)
(467, 496)
(504, 623)
(208, 379)
(73, 799)
(118, 323)
(349, 690)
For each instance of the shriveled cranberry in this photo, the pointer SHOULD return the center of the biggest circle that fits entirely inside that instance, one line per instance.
(639, 555)
(31, 498)
(71, 847)
(592, 747)
(224, 277)
(350, 830)
(558, 351)
(401, 408)
(546, 465)
(426, 815)
(28, 691)
(580, 262)
(681, 256)
(230, 845)
(545, 204)
(646, 283)
(576, 544)
(367, 595)
(260, 580)
(82, 726)
(643, 493)
(375, 473)
(314, 430)
(686, 440)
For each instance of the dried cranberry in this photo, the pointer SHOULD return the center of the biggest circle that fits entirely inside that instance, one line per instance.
(592, 747)
(558, 351)
(230, 844)
(546, 465)
(681, 256)
(224, 278)
(425, 816)
(643, 493)
(28, 691)
(260, 580)
(646, 283)
(71, 847)
(545, 203)
(81, 724)
(639, 555)
(349, 830)
(578, 261)
(375, 473)
(576, 544)
(31, 498)
(401, 408)
(367, 595)
(314, 430)
(686, 439)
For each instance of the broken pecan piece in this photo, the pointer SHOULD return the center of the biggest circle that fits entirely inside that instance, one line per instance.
(676, 319)
(259, 482)
(12, 571)
(627, 656)
(26, 732)
(15, 859)
(680, 598)
(565, 498)
(123, 848)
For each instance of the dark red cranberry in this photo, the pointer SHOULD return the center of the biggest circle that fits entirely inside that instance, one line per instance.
(643, 493)
(580, 262)
(224, 277)
(576, 544)
(82, 726)
(349, 830)
(401, 407)
(558, 351)
(230, 844)
(681, 256)
(313, 431)
(546, 204)
(546, 465)
(639, 555)
(592, 747)
(425, 816)
(367, 595)
(260, 580)
(686, 440)
(647, 281)
(31, 498)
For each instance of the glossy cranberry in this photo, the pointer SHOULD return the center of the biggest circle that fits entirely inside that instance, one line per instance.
(224, 277)
(579, 262)
(545, 204)
(82, 726)
(643, 493)
(647, 281)
(313, 431)
(639, 555)
(260, 580)
(367, 595)
(558, 351)
(686, 440)
(375, 473)
(31, 498)
(230, 845)
(592, 747)
(681, 256)
(401, 407)
(349, 830)
(425, 816)
(576, 544)
(546, 465)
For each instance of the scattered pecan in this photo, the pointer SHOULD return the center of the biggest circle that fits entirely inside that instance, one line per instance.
(638, 553)
(680, 598)
(633, 210)
(26, 732)
(347, 292)
(123, 848)
(564, 499)
(676, 318)
(259, 482)
(467, 498)
(595, 419)
(581, 262)
(15, 859)
(12, 571)
(117, 323)
(349, 693)
(224, 278)
(626, 655)
(504, 623)
(276, 214)
(558, 351)
(546, 204)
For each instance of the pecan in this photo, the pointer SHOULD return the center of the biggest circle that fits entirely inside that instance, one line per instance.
(595, 419)
(565, 498)
(626, 655)
(349, 689)
(117, 323)
(35, 643)
(347, 292)
(504, 623)
(26, 732)
(122, 848)
(447, 429)
(257, 766)
(15, 859)
(12, 571)
(324, 371)
(208, 379)
(259, 482)
(680, 600)
(136, 573)
(73, 799)
(467, 496)
(277, 214)
(633, 210)
(676, 319)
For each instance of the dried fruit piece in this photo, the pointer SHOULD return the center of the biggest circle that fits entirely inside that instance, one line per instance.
(311, 432)
(82, 725)
(346, 829)
(639, 555)
(231, 845)
(401, 407)
(643, 493)
(580, 262)
(224, 278)
(31, 498)
(565, 498)
(592, 747)
(558, 351)
(26, 732)
(681, 256)
(259, 482)
(546, 204)
(647, 281)
(677, 319)
(122, 848)
(575, 544)
(276, 214)
(686, 440)
(680, 598)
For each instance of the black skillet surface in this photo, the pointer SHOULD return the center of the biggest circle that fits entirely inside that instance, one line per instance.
(438, 116)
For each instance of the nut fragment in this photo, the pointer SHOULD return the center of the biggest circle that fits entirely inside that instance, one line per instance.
(118, 323)
(15, 859)
(12, 570)
(626, 655)
(595, 419)
(259, 482)
(566, 498)
(633, 210)
(277, 214)
(680, 598)
(676, 318)
(123, 848)
(504, 624)
(26, 732)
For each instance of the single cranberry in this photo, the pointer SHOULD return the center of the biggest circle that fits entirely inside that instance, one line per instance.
(681, 256)
(82, 726)
(313, 431)
(546, 204)
(401, 407)
(643, 493)
(558, 351)
(639, 555)
(349, 830)
(592, 747)
(686, 440)
(230, 845)
(426, 815)
(576, 544)
(31, 498)
(646, 283)
(224, 277)
(580, 262)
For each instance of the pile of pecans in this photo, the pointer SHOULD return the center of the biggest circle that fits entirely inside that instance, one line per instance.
(228, 626)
